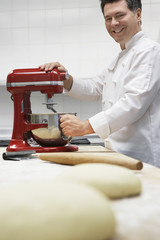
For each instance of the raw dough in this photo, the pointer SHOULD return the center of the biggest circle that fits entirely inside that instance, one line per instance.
(113, 181)
(60, 211)
(47, 133)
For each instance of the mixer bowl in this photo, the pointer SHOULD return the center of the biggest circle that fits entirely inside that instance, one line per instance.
(51, 136)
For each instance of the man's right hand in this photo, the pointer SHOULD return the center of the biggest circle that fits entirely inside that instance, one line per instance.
(49, 67)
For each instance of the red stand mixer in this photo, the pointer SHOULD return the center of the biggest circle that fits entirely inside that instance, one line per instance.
(20, 83)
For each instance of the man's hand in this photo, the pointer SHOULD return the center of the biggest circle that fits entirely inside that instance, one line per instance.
(73, 126)
(49, 67)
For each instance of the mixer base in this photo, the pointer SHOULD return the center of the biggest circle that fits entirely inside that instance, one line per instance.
(21, 145)
(68, 148)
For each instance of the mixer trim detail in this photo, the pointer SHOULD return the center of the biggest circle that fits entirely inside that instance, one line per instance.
(21, 84)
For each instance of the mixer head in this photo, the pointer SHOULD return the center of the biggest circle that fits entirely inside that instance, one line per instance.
(33, 79)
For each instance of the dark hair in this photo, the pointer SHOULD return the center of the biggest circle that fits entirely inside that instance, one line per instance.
(133, 5)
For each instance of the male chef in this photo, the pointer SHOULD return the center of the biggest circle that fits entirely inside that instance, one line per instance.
(129, 87)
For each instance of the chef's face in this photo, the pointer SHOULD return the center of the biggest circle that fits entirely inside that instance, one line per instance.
(121, 23)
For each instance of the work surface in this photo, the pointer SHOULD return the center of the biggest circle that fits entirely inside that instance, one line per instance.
(138, 218)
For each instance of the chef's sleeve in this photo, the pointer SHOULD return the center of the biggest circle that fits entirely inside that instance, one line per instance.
(89, 89)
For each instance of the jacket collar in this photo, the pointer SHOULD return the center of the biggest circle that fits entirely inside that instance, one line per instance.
(129, 45)
(134, 39)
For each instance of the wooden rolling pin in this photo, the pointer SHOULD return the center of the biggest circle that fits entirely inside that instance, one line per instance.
(74, 158)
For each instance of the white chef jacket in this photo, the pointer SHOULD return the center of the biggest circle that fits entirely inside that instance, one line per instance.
(130, 93)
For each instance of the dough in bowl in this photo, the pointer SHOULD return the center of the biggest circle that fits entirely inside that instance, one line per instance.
(59, 211)
(47, 133)
(113, 181)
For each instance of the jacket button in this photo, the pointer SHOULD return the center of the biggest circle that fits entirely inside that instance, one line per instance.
(110, 102)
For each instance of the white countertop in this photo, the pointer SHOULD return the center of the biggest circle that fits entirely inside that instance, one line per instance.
(138, 218)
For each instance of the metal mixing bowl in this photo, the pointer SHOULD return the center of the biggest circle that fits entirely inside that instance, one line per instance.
(51, 135)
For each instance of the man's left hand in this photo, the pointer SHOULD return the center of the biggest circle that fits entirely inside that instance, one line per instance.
(73, 126)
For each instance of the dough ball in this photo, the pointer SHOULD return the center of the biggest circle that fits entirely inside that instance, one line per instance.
(55, 132)
(60, 211)
(113, 181)
(47, 133)
(41, 133)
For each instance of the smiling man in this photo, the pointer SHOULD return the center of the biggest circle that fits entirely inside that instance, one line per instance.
(122, 19)
(129, 87)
